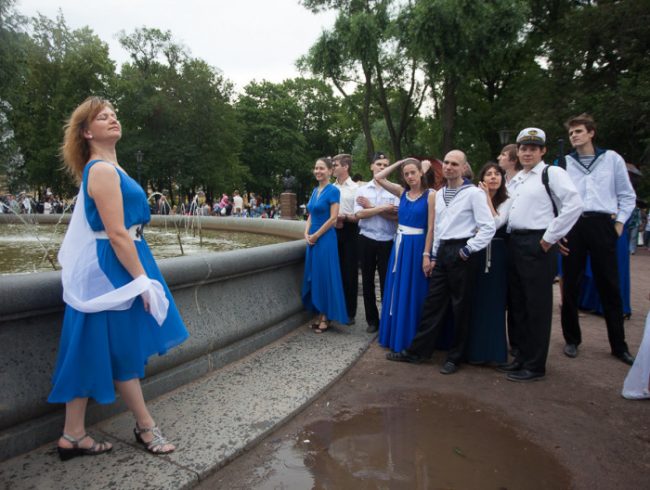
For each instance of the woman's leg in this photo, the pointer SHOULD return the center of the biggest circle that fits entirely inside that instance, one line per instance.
(131, 393)
(75, 424)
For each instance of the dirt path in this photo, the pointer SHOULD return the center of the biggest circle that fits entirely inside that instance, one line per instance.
(576, 414)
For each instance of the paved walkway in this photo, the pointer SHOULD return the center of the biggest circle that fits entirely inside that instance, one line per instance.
(211, 420)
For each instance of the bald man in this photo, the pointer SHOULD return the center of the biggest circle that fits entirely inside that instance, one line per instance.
(463, 226)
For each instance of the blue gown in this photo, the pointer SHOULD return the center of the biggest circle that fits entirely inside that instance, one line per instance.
(322, 288)
(97, 348)
(487, 333)
(406, 285)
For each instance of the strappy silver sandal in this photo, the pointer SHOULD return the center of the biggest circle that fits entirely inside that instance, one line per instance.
(156, 444)
(66, 453)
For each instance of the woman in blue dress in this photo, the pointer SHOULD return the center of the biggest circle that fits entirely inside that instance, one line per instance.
(409, 267)
(322, 288)
(487, 334)
(119, 310)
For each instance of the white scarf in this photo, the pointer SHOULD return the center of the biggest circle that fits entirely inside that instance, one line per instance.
(85, 286)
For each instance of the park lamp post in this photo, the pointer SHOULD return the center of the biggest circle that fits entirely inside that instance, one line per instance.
(504, 136)
(138, 158)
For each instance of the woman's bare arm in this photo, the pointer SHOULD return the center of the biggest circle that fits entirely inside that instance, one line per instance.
(381, 179)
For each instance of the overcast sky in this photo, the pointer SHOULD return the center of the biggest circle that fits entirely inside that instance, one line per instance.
(247, 39)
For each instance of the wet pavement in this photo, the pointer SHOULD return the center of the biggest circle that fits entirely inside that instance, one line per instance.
(387, 425)
(416, 442)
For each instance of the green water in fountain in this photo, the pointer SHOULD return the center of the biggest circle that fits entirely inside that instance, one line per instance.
(24, 250)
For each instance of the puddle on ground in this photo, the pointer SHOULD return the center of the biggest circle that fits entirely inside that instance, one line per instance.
(427, 443)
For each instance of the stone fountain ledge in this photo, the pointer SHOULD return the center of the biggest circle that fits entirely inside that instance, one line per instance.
(212, 420)
(233, 303)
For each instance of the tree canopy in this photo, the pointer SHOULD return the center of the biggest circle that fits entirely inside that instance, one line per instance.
(407, 78)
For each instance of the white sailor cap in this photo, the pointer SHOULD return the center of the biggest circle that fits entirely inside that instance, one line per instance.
(531, 136)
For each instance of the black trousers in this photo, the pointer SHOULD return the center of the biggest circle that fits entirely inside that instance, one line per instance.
(451, 282)
(530, 281)
(596, 236)
(349, 261)
(374, 256)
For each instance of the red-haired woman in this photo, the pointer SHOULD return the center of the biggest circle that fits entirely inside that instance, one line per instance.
(119, 310)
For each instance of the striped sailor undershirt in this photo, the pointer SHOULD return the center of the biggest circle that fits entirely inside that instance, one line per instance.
(586, 160)
(449, 194)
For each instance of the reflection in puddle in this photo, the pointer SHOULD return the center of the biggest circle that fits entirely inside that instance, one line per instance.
(432, 443)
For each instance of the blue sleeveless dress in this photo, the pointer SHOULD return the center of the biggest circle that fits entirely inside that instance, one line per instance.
(406, 285)
(322, 288)
(97, 348)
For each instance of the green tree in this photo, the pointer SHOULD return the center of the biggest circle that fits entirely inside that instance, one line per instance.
(61, 68)
(460, 42)
(177, 110)
(271, 120)
(363, 50)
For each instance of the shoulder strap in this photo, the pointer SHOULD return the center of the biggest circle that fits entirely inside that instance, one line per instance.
(548, 188)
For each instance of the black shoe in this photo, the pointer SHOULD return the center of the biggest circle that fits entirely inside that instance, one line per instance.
(448, 368)
(404, 356)
(571, 350)
(514, 352)
(351, 322)
(524, 376)
(372, 328)
(626, 357)
(510, 367)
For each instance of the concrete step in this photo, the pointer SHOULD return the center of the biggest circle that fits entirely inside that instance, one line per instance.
(212, 420)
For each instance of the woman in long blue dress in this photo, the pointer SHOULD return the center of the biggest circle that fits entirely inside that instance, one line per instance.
(322, 288)
(487, 334)
(103, 349)
(409, 267)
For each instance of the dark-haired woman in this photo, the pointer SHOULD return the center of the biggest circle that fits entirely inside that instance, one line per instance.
(487, 334)
(119, 311)
(409, 268)
(322, 288)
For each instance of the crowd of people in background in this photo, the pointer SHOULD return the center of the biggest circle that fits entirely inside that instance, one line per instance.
(24, 203)
(470, 268)
(250, 205)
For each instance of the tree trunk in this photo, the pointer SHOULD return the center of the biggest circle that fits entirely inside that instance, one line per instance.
(365, 115)
(395, 139)
(449, 101)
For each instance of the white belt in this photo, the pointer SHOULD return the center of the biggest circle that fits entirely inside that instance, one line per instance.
(404, 230)
(136, 232)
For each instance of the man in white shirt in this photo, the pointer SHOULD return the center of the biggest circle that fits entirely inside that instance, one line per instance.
(238, 204)
(347, 231)
(463, 226)
(376, 209)
(603, 183)
(536, 223)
